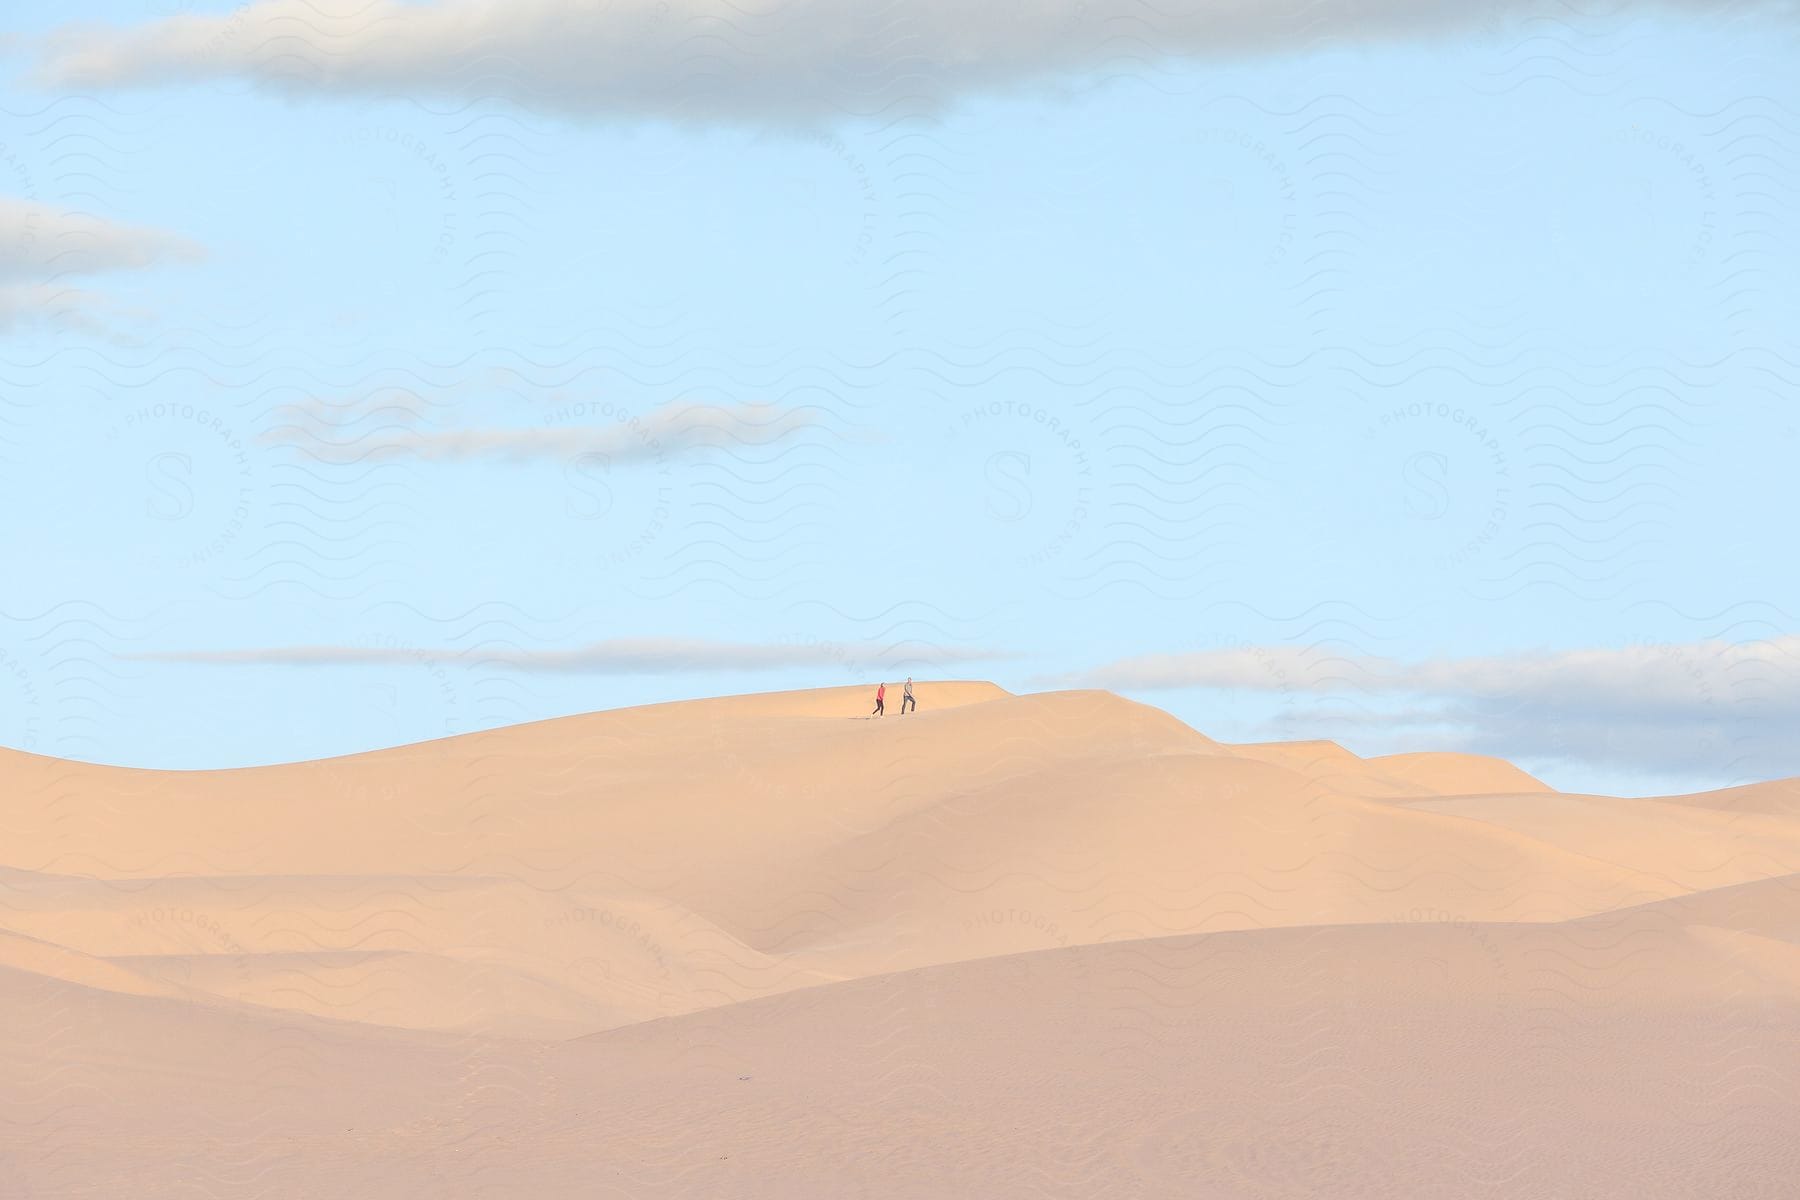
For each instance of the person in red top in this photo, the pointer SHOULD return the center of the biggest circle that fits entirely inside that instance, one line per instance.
(880, 700)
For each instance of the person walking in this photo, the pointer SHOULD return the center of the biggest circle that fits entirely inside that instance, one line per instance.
(880, 700)
(906, 699)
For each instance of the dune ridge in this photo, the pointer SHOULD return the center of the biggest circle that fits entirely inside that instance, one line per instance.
(1049, 944)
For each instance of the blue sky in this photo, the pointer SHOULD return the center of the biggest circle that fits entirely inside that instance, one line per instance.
(370, 379)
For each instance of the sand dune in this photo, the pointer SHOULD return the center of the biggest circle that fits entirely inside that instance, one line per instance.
(1055, 944)
(1423, 775)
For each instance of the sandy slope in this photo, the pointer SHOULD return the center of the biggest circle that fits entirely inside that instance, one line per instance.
(1057, 944)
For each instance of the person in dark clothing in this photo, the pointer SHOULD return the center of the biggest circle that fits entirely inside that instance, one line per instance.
(906, 698)
(880, 700)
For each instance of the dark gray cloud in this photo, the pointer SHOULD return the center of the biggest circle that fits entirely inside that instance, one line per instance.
(717, 59)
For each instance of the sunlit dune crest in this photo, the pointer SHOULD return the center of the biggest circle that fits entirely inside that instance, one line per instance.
(1008, 945)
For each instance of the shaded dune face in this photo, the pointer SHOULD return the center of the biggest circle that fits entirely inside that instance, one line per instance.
(1055, 944)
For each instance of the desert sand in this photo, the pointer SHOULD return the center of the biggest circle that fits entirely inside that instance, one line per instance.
(1008, 946)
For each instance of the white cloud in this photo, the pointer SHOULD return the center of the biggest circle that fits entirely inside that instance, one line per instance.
(40, 243)
(718, 59)
(394, 426)
(1644, 675)
(41, 247)
(67, 307)
(616, 656)
(1728, 708)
